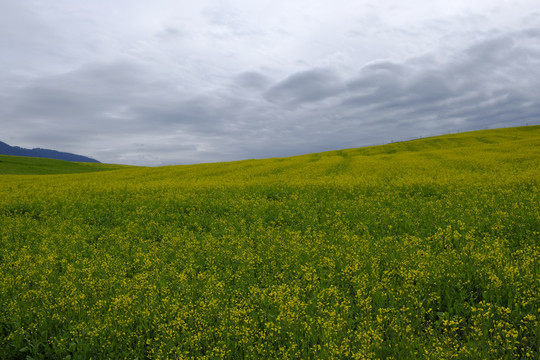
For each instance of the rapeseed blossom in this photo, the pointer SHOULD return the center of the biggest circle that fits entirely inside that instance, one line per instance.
(421, 250)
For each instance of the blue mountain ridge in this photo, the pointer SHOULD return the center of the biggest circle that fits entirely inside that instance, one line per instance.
(6, 149)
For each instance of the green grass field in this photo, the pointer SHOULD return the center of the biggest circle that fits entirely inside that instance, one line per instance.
(19, 165)
(426, 249)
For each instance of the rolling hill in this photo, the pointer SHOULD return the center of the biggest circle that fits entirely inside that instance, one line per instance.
(6, 149)
(42, 166)
(425, 249)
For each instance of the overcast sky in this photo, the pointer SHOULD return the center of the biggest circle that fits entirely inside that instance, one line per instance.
(176, 81)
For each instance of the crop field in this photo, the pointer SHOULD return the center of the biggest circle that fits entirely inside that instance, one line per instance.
(426, 249)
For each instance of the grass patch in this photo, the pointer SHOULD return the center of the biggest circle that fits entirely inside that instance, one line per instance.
(21, 165)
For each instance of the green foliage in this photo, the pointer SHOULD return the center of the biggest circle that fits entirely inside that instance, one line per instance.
(40, 166)
(409, 250)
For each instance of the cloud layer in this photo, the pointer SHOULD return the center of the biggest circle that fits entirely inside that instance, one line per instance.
(225, 82)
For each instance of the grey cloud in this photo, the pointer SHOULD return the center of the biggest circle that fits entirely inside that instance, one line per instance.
(118, 103)
(384, 66)
(84, 94)
(80, 107)
(203, 114)
(306, 87)
(490, 84)
(170, 32)
(413, 88)
(24, 37)
(381, 80)
(495, 49)
(252, 80)
(154, 122)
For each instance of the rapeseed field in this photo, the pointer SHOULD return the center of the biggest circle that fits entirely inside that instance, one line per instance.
(427, 249)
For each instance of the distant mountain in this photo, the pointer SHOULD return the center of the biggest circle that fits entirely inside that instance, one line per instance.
(6, 149)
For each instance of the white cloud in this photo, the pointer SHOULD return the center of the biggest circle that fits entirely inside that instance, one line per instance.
(170, 82)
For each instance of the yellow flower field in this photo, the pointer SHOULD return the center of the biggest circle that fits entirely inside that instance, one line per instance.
(428, 249)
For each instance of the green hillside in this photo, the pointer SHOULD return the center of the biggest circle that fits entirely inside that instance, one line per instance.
(425, 249)
(495, 137)
(40, 166)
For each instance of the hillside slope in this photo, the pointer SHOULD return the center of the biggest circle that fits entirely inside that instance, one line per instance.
(41, 166)
(483, 140)
(457, 152)
(428, 249)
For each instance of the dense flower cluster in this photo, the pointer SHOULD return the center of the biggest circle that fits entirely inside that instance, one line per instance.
(427, 249)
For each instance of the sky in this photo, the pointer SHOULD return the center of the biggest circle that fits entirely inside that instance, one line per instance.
(167, 82)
